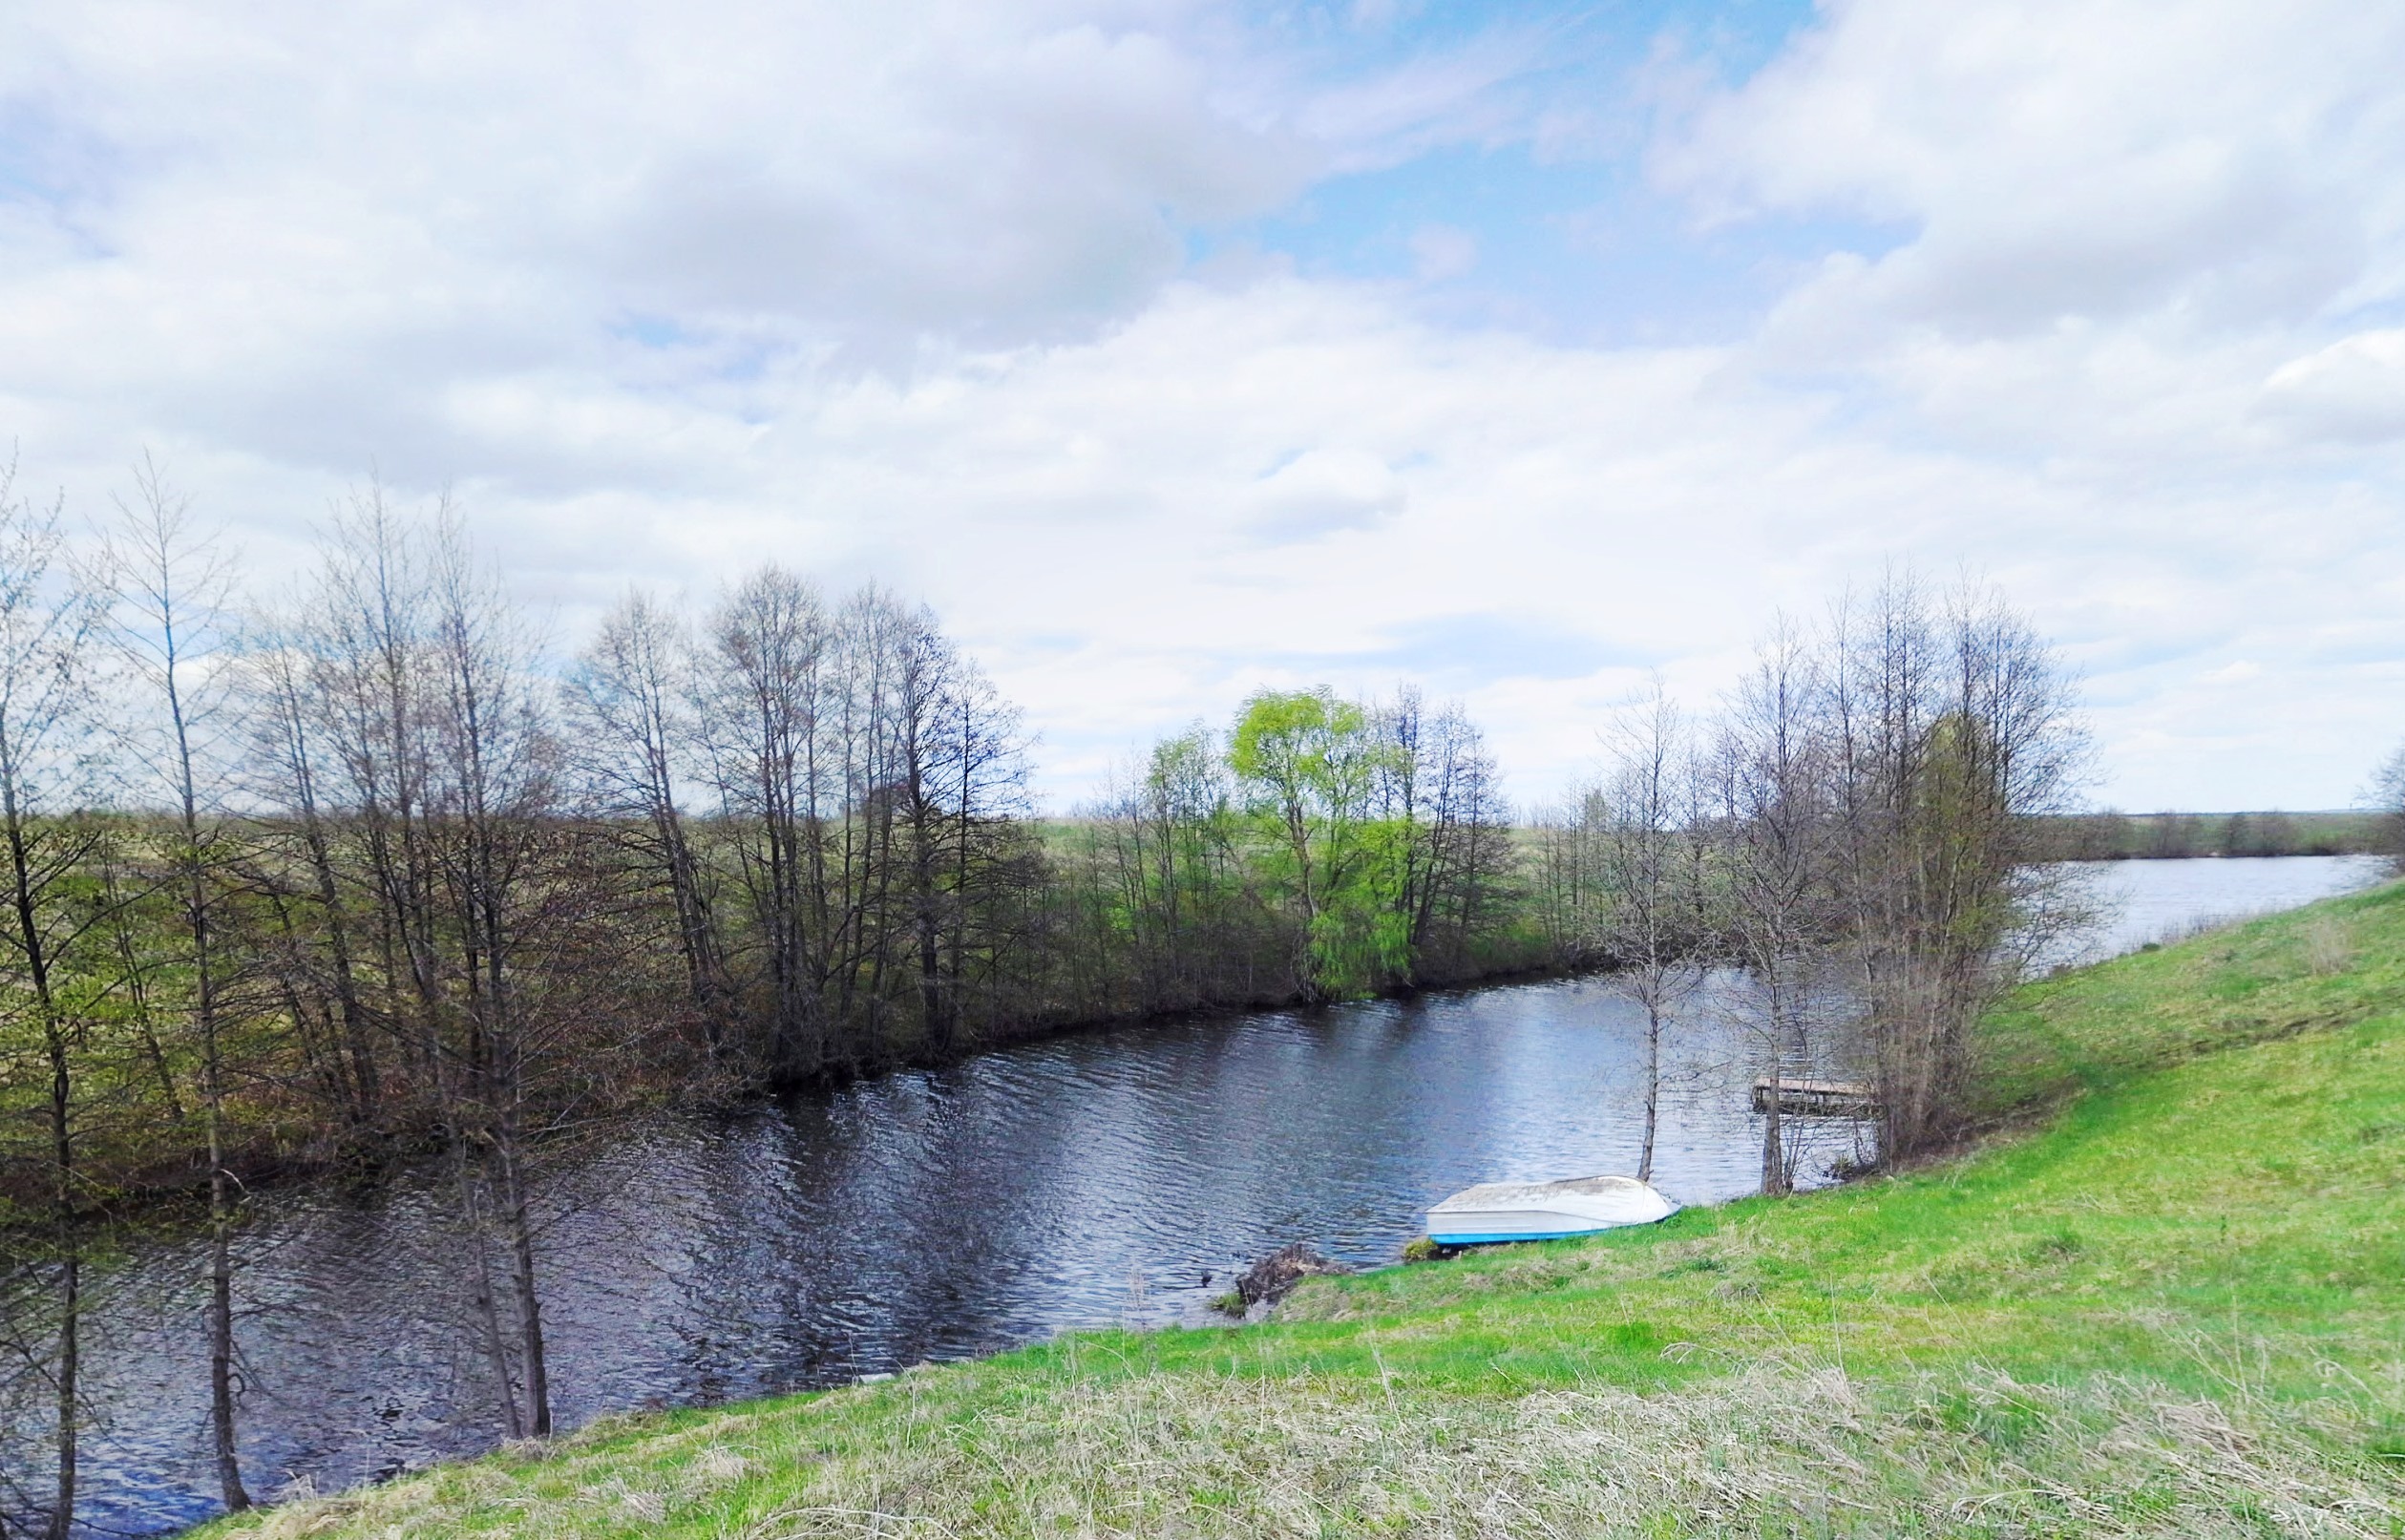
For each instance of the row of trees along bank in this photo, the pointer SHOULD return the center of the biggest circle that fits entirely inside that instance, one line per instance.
(2119, 837)
(357, 872)
(1861, 828)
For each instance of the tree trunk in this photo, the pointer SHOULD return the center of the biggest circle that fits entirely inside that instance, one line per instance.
(1774, 1128)
(529, 1319)
(1653, 1089)
(366, 1085)
(229, 1469)
(487, 1307)
(229, 1473)
(70, 1269)
(34, 941)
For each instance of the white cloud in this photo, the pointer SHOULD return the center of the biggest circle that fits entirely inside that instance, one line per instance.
(2051, 158)
(1275, 481)
(2354, 389)
(1322, 490)
(307, 204)
(903, 290)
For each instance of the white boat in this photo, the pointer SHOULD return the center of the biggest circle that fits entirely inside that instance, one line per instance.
(1545, 1210)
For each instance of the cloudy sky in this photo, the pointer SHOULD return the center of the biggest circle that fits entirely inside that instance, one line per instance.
(1170, 348)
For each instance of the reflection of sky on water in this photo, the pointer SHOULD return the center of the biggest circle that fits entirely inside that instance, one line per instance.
(2146, 901)
(1081, 1181)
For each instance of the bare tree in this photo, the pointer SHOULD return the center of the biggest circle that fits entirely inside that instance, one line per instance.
(1773, 824)
(1652, 931)
(1566, 874)
(172, 592)
(50, 619)
(632, 699)
(762, 693)
(1951, 732)
(2387, 796)
(981, 761)
(435, 798)
(1452, 862)
(367, 628)
(1165, 841)
(281, 710)
(492, 793)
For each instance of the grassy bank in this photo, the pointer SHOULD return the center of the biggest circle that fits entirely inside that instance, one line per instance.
(2169, 1298)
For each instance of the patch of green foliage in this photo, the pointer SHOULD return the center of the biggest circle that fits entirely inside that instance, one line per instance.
(2169, 1306)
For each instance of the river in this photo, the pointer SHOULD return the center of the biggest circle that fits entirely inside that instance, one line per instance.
(1111, 1177)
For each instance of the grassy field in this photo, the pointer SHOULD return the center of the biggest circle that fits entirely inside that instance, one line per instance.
(2167, 1298)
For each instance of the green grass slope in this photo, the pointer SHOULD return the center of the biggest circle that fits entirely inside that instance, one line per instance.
(2171, 1302)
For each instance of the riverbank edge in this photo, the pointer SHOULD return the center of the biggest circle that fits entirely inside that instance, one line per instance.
(2075, 1052)
(167, 1192)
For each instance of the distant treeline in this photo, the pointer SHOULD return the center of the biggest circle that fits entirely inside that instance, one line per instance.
(2121, 836)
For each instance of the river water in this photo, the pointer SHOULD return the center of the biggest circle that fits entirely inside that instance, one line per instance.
(1115, 1178)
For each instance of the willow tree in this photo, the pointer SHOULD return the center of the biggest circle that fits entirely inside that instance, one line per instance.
(1308, 764)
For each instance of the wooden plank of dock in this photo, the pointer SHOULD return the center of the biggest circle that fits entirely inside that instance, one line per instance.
(1818, 1097)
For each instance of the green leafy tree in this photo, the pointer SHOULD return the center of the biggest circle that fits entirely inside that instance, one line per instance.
(1308, 765)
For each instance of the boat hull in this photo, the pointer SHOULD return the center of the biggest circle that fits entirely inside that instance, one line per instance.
(1506, 1211)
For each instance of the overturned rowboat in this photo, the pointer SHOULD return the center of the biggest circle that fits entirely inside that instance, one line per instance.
(1545, 1210)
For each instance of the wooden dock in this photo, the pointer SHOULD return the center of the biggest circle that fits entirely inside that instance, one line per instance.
(1818, 1097)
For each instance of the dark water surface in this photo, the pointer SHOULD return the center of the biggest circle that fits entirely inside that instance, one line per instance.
(1093, 1180)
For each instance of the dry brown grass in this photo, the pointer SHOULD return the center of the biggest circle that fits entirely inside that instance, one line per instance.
(2328, 945)
(1775, 1450)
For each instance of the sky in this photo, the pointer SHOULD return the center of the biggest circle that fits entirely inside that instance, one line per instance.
(1173, 349)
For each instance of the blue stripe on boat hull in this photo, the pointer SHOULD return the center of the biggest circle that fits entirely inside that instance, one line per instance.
(1531, 1234)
